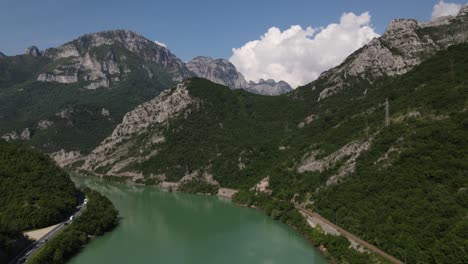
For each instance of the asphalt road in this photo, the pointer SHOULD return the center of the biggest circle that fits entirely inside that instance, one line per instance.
(24, 255)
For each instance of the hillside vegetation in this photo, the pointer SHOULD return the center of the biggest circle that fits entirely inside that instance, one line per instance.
(99, 217)
(403, 188)
(34, 193)
(78, 118)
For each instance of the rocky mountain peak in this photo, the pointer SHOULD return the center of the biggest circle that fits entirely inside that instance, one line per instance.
(463, 13)
(93, 58)
(224, 72)
(405, 44)
(2, 55)
(397, 26)
(33, 51)
(219, 71)
(269, 87)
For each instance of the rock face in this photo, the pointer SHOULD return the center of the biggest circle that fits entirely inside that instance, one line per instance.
(44, 124)
(223, 72)
(219, 71)
(64, 158)
(33, 51)
(269, 87)
(348, 153)
(405, 44)
(159, 111)
(94, 58)
(24, 135)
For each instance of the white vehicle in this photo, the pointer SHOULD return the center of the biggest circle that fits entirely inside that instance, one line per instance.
(71, 218)
(85, 200)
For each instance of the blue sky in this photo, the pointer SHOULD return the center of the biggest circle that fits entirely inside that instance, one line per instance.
(189, 28)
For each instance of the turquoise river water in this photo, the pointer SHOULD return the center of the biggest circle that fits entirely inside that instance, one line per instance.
(173, 228)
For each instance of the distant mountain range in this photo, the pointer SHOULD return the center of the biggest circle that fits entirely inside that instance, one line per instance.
(77, 61)
(223, 72)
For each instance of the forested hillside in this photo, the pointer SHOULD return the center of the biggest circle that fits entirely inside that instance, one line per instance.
(398, 180)
(53, 115)
(34, 193)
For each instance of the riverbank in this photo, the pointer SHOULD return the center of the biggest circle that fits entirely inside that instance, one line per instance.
(160, 225)
(186, 187)
(335, 247)
(99, 217)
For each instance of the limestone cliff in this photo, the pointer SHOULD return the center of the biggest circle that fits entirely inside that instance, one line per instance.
(405, 44)
(94, 58)
(114, 151)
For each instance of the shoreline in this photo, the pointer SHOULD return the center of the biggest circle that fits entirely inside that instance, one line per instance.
(323, 250)
(320, 249)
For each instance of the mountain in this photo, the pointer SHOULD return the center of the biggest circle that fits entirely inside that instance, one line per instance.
(71, 97)
(338, 157)
(93, 58)
(33, 51)
(269, 87)
(2, 55)
(405, 44)
(376, 145)
(219, 71)
(68, 99)
(224, 72)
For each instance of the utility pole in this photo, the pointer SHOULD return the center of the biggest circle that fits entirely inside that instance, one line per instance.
(366, 130)
(387, 113)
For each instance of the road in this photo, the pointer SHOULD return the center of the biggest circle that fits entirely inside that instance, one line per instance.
(26, 253)
(350, 236)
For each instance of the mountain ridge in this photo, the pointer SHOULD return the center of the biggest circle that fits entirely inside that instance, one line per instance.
(223, 72)
(404, 44)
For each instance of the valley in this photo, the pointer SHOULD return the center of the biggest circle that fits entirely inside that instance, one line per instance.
(373, 149)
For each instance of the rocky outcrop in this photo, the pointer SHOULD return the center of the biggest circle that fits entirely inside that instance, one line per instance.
(92, 58)
(24, 135)
(220, 71)
(58, 76)
(269, 87)
(44, 124)
(309, 119)
(224, 72)
(64, 158)
(262, 186)
(105, 112)
(2, 55)
(405, 44)
(348, 153)
(114, 151)
(33, 51)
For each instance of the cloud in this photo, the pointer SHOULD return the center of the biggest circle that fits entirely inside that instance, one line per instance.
(162, 44)
(445, 9)
(299, 55)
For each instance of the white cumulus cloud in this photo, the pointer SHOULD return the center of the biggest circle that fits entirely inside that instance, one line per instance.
(298, 55)
(162, 44)
(445, 9)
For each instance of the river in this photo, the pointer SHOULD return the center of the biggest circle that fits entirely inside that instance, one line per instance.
(173, 228)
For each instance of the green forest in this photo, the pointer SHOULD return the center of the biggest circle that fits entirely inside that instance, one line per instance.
(99, 217)
(76, 112)
(412, 204)
(34, 193)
